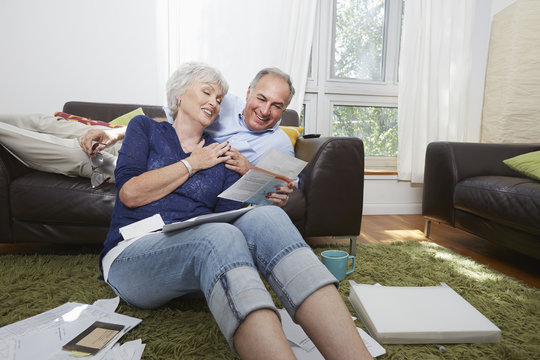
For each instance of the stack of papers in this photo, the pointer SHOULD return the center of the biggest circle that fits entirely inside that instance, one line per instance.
(43, 336)
(155, 223)
(420, 315)
(304, 349)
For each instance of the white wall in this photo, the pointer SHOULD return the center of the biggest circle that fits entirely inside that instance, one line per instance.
(386, 195)
(101, 50)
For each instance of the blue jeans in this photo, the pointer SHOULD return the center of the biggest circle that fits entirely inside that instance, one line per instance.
(223, 261)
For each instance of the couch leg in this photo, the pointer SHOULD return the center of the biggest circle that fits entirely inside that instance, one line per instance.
(352, 243)
(427, 227)
(352, 246)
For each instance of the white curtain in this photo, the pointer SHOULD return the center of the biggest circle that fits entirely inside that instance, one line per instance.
(240, 37)
(441, 77)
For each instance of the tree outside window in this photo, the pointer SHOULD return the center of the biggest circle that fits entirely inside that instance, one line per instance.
(359, 39)
(376, 126)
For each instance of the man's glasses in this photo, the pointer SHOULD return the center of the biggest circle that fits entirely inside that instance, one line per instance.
(97, 179)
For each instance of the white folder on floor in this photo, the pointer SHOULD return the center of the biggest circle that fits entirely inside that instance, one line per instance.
(420, 315)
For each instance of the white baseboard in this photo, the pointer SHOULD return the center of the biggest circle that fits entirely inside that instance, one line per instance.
(392, 209)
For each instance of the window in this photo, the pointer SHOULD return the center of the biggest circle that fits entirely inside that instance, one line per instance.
(358, 30)
(352, 85)
(377, 125)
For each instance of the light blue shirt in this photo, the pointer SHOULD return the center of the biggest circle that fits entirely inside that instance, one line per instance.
(230, 125)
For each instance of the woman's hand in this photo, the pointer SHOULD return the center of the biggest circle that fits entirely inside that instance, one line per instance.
(204, 157)
(105, 138)
(281, 196)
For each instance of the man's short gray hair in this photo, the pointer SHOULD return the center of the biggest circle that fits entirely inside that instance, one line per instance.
(277, 72)
(186, 75)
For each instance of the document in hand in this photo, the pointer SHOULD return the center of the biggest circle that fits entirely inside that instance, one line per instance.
(275, 169)
(420, 315)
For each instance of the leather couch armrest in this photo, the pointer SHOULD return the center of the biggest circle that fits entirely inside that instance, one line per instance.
(10, 168)
(440, 178)
(333, 185)
(447, 163)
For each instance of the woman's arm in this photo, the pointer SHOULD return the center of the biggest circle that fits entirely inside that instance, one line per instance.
(155, 184)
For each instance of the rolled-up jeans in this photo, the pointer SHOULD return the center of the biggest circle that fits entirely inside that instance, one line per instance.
(223, 261)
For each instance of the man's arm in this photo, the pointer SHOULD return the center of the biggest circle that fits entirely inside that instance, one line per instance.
(105, 138)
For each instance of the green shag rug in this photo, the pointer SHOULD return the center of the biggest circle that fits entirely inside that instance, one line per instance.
(185, 329)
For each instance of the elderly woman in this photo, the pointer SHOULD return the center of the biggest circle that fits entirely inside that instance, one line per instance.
(178, 171)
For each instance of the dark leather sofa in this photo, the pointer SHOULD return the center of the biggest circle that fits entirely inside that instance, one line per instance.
(39, 207)
(467, 186)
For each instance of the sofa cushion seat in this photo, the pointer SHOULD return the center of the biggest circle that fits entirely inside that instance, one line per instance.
(52, 198)
(512, 201)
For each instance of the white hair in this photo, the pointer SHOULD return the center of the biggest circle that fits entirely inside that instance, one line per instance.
(185, 75)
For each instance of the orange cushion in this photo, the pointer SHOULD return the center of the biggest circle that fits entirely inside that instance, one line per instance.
(84, 120)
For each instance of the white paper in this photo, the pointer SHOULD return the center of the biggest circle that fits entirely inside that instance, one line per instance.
(281, 163)
(304, 349)
(225, 216)
(252, 188)
(294, 332)
(374, 348)
(254, 185)
(108, 304)
(131, 350)
(142, 227)
(42, 336)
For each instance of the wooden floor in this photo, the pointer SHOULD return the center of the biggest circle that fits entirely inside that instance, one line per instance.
(391, 228)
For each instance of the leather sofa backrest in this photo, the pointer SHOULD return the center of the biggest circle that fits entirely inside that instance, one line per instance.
(109, 111)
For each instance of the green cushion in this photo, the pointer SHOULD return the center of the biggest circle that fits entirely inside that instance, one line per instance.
(124, 119)
(528, 164)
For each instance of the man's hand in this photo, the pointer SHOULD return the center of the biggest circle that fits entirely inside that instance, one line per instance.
(103, 137)
(281, 196)
(237, 162)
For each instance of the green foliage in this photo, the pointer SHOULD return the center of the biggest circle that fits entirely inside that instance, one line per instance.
(359, 39)
(376, 126)
(358, 54)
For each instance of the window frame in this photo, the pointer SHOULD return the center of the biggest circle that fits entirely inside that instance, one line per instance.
(324, 91)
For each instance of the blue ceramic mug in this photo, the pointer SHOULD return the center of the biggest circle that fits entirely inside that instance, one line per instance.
(337, 262)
